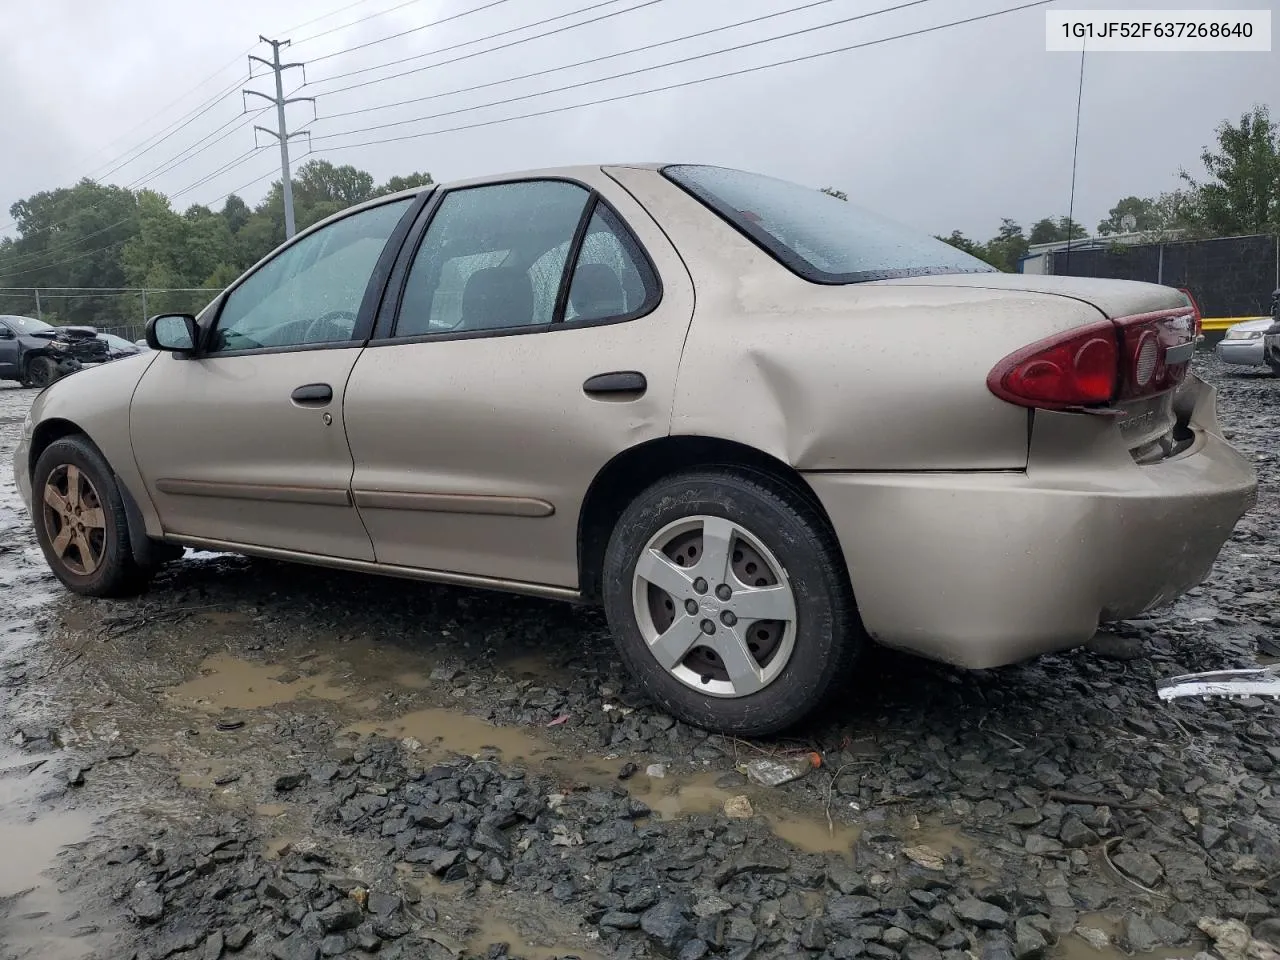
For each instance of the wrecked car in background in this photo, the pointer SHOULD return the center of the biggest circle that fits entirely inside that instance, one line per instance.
(36, 353)
(731, 409)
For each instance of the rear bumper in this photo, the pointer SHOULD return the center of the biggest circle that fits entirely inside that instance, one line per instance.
(1244, 352)
(985, 569)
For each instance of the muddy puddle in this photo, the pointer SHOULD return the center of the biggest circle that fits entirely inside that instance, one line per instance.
(229, 683)
(440, 731)
(36, 917)
(525, 939)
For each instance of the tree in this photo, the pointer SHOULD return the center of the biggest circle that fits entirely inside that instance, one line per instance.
(95, 235)
(1242, 192)
(1007, 247)
(1049, 230)
(833, 192)
(961, 242)
(236, 212)
(396, 184)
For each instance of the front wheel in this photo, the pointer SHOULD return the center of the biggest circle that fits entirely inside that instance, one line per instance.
(729, 601)
(41, 371)
(80, 521)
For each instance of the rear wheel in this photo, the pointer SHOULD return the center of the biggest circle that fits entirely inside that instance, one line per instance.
(80, 521)
(729, 601)
(41, 371)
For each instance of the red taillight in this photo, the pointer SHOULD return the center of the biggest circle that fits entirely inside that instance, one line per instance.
(1092, 367)
(1195, 307)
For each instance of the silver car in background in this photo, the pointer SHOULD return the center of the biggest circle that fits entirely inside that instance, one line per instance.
(1244, 344)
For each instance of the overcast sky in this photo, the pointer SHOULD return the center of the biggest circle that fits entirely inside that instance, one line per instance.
(951, 129)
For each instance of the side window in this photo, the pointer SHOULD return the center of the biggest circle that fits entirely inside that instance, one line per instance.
(612, 277)
(310, 292)
(492, 258)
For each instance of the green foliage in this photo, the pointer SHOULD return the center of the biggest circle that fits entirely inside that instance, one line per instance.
(1049, 230)
(1242, 192)
(1002, 251)
(92, 235)
(396, 184)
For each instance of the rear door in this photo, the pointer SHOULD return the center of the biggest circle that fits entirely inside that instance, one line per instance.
(533, 331)
(243, 443)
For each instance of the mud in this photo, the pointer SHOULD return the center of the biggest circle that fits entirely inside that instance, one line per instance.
(254, 741)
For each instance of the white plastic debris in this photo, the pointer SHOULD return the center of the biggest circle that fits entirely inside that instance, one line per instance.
(774, 773)
(656, 770)
(1232, 684)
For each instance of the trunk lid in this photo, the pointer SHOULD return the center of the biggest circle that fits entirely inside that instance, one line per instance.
(1114, 298)
(1156, 330)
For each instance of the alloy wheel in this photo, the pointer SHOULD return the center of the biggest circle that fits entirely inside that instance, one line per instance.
(714, 606)
(74, 520)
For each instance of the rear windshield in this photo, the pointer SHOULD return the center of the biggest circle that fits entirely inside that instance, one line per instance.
(822, 238)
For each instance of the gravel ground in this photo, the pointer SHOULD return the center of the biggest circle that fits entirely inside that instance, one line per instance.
(258, 760)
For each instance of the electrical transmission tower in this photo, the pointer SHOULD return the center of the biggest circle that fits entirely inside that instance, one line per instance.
(282, 133)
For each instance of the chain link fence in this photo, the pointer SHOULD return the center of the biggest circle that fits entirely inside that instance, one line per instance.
(1230, 277)
(122, 311)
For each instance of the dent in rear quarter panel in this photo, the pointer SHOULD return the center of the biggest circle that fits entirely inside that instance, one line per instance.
(869, 376)
(96, 399)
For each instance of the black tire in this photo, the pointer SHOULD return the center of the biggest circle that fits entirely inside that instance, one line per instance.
(828, 634)
(1275, 367)
(41, 371)
(117, 574)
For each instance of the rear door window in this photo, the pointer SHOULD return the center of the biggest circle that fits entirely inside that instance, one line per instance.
(494, 258)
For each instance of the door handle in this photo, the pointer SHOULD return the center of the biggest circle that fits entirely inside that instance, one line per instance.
(312, 394)
(619, 385)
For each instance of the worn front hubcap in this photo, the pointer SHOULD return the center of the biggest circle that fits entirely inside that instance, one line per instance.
(74, 520)
(714, 606)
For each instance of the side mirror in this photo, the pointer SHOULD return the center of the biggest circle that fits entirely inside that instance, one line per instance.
(175, 332)
(6, 334)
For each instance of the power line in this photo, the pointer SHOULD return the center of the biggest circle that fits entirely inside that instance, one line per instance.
(179, 99)
(638, 70)
(610, 56)
(492, 36)
(190, 119)
(680, 84)
(380, 13)
(405, 33)
(324, 16)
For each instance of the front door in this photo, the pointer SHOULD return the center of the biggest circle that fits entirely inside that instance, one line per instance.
(535, 340)
(244, 443)
(9, 350)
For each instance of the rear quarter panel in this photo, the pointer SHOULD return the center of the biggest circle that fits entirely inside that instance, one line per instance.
(854, 377)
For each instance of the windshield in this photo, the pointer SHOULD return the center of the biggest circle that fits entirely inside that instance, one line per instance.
(822, 238)
(26, 325)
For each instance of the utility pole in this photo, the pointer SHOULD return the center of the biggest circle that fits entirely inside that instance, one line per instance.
(39, 312)
(281, 133)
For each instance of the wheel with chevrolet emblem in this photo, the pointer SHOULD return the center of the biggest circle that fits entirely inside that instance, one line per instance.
(729, 601)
